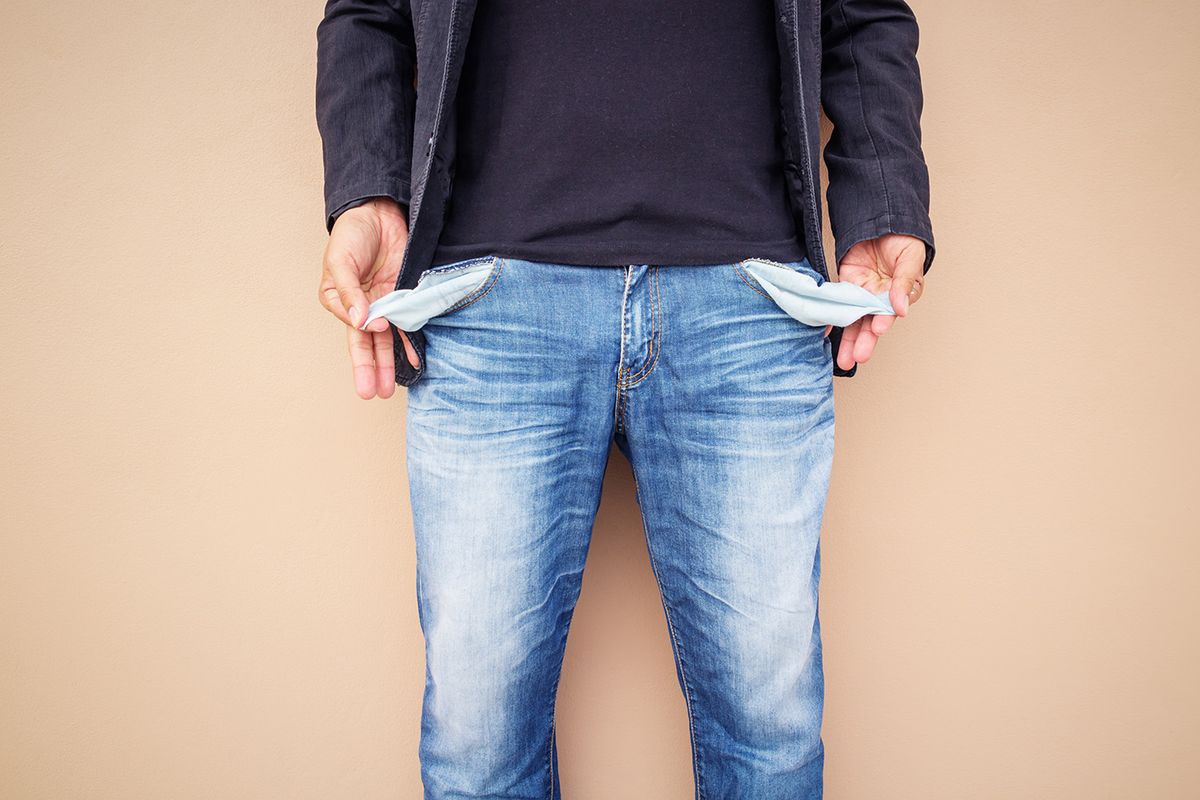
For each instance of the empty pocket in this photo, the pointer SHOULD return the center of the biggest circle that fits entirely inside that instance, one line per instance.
(800, 295)
(438, 291)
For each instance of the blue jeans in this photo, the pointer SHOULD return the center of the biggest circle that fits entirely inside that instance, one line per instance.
(723, 404)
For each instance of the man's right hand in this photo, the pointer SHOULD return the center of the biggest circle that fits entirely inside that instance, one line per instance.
(362, 260)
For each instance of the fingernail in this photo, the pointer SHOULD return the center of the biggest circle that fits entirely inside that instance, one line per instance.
(354, 314)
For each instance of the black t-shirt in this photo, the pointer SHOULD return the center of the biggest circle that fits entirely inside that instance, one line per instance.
(620, 132)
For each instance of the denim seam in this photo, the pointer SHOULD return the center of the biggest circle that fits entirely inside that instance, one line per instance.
(619, 409)
(477, 294)
(622, 396)
(677, 646)
(746, 279)
(550, 752)
(753, 284)
(418, 24)
(788, 266)
(553, 720)
(455, 267)
(655, 326)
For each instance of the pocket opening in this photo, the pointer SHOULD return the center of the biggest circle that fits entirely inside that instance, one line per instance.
(805, 296)
(439, 291)
(803, 266)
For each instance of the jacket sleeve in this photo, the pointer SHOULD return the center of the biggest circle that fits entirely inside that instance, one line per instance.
(365, 101)
(871, 92)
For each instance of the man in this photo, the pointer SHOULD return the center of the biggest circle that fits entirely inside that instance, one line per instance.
(603, 215)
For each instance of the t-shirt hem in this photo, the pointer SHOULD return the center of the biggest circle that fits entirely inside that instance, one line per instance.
(625, 253)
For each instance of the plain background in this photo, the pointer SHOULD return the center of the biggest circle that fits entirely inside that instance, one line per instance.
(206, 576)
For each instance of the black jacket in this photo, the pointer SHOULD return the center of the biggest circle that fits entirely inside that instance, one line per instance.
(387, 75)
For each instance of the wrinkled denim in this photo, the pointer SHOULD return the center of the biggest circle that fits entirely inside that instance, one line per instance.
(723, 403)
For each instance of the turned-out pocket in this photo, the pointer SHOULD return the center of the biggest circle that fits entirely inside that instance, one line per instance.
(439, 291)
(804, 294)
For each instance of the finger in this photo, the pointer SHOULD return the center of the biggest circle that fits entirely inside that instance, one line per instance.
(346, 281)
(328, 295)
(905, 290)
(864, 344)
(362, 361)
(385, 364)
(828, 328)
(845, 355)
(907, 279)
(880, 323)
(410, 351)
(333, 302)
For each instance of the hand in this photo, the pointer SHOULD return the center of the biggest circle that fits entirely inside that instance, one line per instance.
(894, 262)
(362, 260)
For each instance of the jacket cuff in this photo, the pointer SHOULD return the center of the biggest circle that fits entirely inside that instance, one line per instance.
(338, 202)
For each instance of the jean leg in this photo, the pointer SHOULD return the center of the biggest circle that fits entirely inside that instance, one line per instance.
(508, 437)
(730, 434)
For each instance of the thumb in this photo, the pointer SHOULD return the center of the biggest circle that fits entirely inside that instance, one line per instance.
(907, 279)
(354, 299)
(344, 274)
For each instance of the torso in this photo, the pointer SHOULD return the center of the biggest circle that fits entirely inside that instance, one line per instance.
(620, 132)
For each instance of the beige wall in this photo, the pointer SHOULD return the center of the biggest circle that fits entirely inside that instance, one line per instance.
(206, 578)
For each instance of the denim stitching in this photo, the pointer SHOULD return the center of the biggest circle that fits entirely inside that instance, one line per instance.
(781, 265)
(554, 705)
(550, 746)
(455, 267)
(746, 279)
(619, 409)
(655, 325)
(418, 24)
(749, 280)
(624, 404)
(655, 346)
(677, 646)
(477, 294)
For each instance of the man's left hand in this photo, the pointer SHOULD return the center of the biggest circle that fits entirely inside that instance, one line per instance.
(894, 262)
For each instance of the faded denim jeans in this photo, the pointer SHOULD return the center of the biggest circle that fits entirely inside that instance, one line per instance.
(723, 403)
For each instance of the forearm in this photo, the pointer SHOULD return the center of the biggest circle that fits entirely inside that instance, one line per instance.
(871, 91)
(365, 101)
